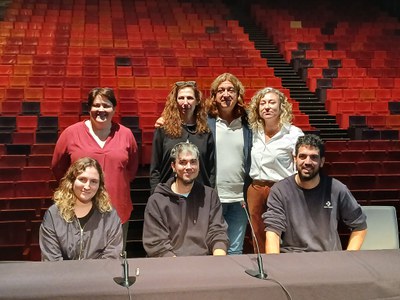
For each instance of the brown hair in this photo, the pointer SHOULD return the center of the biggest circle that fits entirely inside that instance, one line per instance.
(171, 115)
(240, 107)
(107, 93)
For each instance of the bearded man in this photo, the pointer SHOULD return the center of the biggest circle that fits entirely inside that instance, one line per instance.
(303, 210)
(183, 217)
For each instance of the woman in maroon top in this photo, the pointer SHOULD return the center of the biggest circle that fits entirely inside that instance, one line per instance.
(111, 144)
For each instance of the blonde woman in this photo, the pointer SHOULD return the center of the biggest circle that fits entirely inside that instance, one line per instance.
(81, 224)
(274, 140)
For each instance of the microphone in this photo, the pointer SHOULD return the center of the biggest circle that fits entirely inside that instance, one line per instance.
(260, 274)
(125, 280)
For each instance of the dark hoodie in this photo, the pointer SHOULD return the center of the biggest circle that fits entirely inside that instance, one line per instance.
(178, 226)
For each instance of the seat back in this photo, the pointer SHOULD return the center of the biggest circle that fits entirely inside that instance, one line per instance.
(382, 230)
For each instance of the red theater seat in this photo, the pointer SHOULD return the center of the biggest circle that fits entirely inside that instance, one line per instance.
(31, 189)
(10, 173)
(368, 167)
(23, 137)
(13, 233)
(40, 160)
(36, 173)
(12, 160)
(18, 214)
(393, 121)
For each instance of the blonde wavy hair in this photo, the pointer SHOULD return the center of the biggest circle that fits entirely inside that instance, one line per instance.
(240, 107)
(64, 196)
(172, 117)
(286, 116)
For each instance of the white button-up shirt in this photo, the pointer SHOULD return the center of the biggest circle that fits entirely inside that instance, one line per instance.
(273, 160)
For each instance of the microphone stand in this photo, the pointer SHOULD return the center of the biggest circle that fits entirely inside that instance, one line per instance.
(125, 280)
(260, 274)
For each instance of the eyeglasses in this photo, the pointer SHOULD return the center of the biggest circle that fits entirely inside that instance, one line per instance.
(188, 83)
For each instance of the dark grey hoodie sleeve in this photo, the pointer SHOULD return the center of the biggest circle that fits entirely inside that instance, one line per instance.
(156, 239)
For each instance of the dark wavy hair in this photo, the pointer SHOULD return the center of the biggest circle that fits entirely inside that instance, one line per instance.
(311, 140)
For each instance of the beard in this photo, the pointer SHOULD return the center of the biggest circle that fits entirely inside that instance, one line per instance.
(187, 181)
(184, 180)
(308, 176)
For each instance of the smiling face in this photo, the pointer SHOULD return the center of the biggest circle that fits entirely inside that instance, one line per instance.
(269, 107)
(102, 110)
(226, 96)
(186, 167)
(86, 185)
(308, 162)
(187, 102)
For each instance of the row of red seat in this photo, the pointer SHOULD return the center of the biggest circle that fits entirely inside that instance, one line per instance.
(153, 77)
(362, 168)
(375, 120)
(57, 65)
(45, 33)
(356, 56)
(26, 189)
(370, 182)
(369, 107)
(365, 63)
(40, 149)
(363, 94)
(380, 96)
(80, 55)
(163, 46)
(25, 173)
(41, 75)
(372, 77)
(19, 238)
(362, 145)
(354, 155)
(197, 57)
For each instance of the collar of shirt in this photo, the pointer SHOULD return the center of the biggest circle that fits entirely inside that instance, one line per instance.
(235, 124)
(285, 129)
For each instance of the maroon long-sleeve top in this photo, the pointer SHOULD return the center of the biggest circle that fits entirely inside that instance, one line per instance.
(118, 158)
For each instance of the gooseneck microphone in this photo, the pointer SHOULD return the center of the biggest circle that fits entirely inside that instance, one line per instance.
(260, 274)
(125, 280)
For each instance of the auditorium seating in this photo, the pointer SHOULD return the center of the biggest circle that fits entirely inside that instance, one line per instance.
(140, 54)
(364, 85)
(53, 52)
(360, 74)
(367, 167)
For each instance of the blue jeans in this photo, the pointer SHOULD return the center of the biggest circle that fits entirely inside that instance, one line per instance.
(235, 216)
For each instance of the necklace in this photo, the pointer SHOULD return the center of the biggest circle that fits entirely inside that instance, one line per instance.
(191, 128)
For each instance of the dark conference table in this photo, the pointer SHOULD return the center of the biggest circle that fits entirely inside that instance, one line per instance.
(330, 275)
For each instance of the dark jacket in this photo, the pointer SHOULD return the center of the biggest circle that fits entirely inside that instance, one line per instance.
(178, 226)
(160, 168)
(100, 237)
